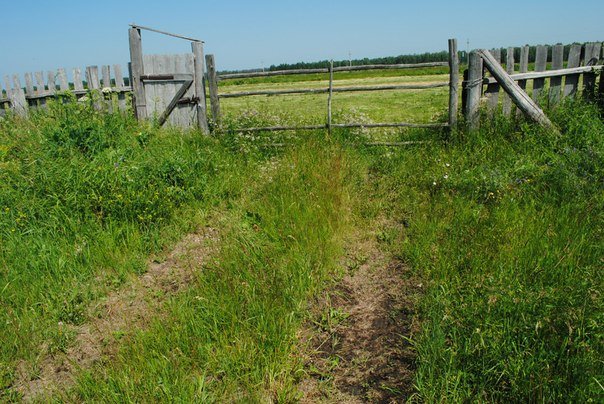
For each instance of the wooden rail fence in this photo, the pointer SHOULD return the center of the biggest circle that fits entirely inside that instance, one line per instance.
(552, 80)
(453, 83)
(105, 91)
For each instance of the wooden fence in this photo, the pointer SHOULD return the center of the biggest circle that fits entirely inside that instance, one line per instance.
(551, 80)
(452, 84)
(105, 91)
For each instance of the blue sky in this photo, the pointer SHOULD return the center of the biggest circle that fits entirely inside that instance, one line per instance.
(42, 35)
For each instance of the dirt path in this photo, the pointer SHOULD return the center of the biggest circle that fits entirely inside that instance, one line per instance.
(357, 347)
(117, 316)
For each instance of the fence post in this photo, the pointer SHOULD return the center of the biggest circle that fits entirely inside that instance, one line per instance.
(200, 88)
(136, 71)
(329, 97)
(453, 83)
(509, 67)
(213, 87)
(473, 90)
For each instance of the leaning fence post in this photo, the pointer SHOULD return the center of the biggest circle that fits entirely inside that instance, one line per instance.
(213, 87)
(453, 83)
(136, 71)
(200, 89)
(473, 90)
(329, 97)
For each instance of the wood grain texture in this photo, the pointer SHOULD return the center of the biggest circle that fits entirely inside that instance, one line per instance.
(509, 68)
(119, 85)
(555, 83)
(540, 65)
(62, 76)
(518, 95)
(199, 88)
(473, 90)
(492, 91)
(136, 70)
(213, 88)
(571, 82)
(52, 82)
(77, 79)
(453, 83)
(592, 56)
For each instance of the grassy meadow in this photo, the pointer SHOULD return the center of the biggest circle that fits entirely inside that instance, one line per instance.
(503, 226)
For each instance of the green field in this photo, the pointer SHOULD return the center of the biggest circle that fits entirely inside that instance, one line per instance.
(499, 229)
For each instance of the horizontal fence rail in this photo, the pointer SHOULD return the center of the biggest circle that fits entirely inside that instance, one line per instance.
(324, 70)
(453, 64)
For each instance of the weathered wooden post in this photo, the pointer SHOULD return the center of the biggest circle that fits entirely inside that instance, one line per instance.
(199, 86)
(572, 81)
(555, 83)
(213, 87)
(136, 71)
(16, 96)
(329, 97)
(492, 92)
(473, 90)
(453, 83)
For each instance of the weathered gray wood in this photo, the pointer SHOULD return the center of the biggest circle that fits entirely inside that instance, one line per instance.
(16, 82)
(390, 125)
(453, 83)
(336, 90)
(18, 102)
(92, 77)
(571, 82)
(199, 87)
(329, 97)
(549, 73)
(29, 85)
(281, 128)
(540, 65)
(326, 70)
(189, 109)
(555, 83)
(106, 87)
(213, 87)
(40, 88)
(52, 83)
(592, 56)
(119, 84)
(77, 79)
(183, 89)
(136, 70)
(492, 91)
(509, 68)
(523, 64)
(473, 90)
(519, 96)
(63, 83)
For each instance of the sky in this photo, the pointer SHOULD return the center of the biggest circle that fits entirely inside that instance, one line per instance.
(44, 35)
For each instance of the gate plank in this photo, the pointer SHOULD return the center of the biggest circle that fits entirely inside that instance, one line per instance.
(137, 69)
(63, 83)
(119, 84)
(77, 79)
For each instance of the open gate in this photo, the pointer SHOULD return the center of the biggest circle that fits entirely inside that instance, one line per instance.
(168, 88)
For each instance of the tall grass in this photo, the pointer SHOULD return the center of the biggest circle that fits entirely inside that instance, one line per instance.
(232, 335)
(85, 198)
(506, 229)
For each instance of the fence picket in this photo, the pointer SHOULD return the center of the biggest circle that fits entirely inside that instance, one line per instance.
(592, 56)
(540, 66)
(52, 84)
(63, 83)
(492, 91)
(509, 67)
(555, 83)
(106, 88)
(77, 79)
(119, 84)
(571, 82)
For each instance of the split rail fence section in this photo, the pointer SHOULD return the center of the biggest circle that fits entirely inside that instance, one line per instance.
(102, 90)
(564, 79)
(453, 84)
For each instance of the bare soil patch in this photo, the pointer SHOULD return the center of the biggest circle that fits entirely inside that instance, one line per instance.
(114, 318)
(358, 347)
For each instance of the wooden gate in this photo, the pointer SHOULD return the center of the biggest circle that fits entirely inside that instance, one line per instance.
(168, 88)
